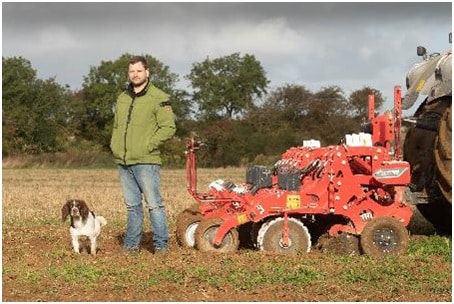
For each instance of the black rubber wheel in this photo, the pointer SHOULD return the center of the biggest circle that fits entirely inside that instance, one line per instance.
(187, 222)
(438, 210)
(205, 233)
(443, 155)
(270, 236)
(428, 148)
(384, 236)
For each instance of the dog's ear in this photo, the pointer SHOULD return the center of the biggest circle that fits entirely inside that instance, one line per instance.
(84, 210)
(65, 211)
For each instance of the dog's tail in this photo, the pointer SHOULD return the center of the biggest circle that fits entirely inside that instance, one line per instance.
(101, 220)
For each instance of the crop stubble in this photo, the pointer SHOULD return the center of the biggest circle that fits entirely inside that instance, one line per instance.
(38, 264)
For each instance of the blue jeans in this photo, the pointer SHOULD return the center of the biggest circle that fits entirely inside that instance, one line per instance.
(138, 180)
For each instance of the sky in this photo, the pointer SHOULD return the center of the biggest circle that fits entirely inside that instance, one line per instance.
(351, 45)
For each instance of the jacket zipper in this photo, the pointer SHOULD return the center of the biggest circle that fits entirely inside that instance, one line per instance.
(131, 106)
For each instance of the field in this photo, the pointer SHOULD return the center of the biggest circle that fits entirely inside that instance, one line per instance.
(38, 264)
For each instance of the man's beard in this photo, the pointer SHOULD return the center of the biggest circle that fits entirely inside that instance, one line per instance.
(140, 83)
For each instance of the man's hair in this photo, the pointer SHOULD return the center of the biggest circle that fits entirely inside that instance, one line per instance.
(136, 59)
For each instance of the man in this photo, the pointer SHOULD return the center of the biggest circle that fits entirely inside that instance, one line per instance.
(143, 120)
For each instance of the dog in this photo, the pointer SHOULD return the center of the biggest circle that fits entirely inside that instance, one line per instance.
(83, 223)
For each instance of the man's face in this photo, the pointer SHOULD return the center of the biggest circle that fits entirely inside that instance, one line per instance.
(137, 73)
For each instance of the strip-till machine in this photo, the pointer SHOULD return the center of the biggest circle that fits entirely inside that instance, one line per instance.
(351, 193)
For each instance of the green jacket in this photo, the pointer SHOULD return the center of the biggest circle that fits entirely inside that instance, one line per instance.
(142, 122)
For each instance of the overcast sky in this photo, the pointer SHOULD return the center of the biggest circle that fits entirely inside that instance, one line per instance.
(351, 45)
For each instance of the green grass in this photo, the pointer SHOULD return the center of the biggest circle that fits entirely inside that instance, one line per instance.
(412, 269)
(434, 245)
(413, 272)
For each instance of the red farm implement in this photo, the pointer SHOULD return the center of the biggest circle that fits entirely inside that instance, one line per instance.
(351, 193)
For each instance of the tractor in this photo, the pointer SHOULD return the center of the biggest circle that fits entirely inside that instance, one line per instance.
(352, 193)
(428, 141)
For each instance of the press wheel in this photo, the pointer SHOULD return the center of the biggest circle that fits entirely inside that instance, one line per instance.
(384, 236)
(187, 222)
(270, 236)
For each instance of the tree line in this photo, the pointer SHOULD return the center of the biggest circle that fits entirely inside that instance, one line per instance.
(228, 106)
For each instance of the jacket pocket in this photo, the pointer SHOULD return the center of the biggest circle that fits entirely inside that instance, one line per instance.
(117, 141)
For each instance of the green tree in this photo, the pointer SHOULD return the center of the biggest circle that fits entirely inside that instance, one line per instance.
(289, 115)
(280, 122)
(290, 102)
(359, 102)
(32, 109)
(226, 86)
(328, 115)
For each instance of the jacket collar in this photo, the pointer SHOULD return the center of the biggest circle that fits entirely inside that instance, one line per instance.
(130, 89)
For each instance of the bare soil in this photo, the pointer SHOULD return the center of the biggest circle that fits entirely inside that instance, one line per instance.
(38, 265)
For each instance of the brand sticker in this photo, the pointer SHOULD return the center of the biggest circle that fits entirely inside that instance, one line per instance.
(242, 218)
(293, 201)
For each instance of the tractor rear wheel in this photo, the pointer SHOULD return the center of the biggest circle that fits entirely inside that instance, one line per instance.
(443, 155)
(270, 236)
(438, 209)
(384, 236)
(428, 149)
(205, 233)
(187, 222)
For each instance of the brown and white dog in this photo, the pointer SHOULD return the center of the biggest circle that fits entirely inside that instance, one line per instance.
(83, 223)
